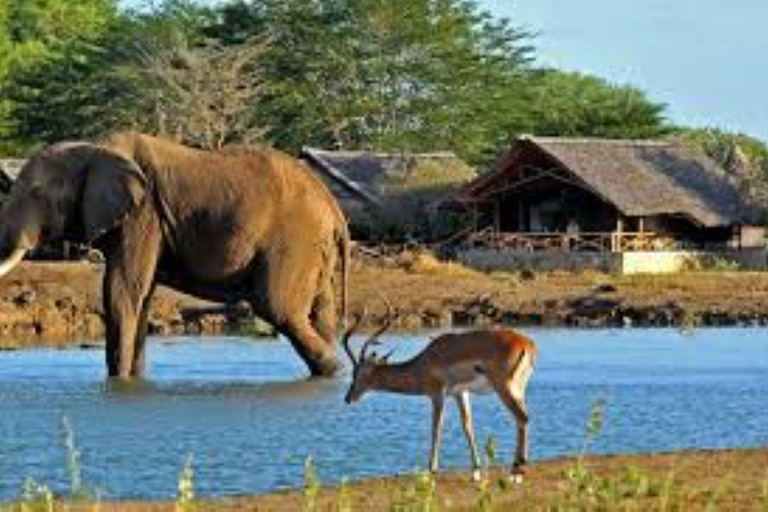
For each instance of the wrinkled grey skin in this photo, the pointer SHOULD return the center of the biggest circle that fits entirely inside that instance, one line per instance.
(251, 225)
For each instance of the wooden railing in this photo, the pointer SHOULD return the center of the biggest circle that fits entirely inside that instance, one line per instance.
(579, 242)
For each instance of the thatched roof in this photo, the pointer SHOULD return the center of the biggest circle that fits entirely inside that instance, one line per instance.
(372, 176)
(639, 177)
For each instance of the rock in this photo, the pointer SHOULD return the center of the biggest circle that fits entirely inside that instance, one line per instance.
(606, 288)
(25, 298)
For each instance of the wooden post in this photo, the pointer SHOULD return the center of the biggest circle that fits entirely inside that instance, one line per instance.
(616, 245)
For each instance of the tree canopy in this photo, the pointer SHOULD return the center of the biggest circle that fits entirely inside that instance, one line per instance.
(399, 75)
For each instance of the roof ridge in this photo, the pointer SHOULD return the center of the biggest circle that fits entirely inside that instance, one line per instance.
(362, 152)
(597, 140)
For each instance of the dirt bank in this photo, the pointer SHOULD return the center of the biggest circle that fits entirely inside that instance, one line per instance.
(60, 303)
(732, 480)
(711, 480)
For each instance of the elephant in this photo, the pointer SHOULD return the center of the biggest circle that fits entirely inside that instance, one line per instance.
(238, 224)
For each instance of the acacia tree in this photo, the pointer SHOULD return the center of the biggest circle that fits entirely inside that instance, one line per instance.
(205, 94)
(408, 75)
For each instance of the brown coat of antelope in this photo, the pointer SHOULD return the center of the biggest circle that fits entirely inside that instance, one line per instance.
(497, 360)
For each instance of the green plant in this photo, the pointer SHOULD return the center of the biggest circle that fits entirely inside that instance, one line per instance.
(345, 500)
(484, 502)
(78, 491)
(36, 497)
(419, 494)
(581, 482)
(593, 426)
(185, 499)
(311, 485)
(73, 460)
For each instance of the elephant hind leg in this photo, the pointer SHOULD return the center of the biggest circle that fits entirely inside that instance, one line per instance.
(324, 316)
(295, 298)
(311, 347)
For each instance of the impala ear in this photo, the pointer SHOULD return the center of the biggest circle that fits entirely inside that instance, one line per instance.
(114, 185)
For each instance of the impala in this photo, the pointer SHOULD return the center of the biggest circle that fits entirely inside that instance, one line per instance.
(453, 365)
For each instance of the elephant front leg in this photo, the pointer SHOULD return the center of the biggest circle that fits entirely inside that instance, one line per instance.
(123, 304)
(139, 360)
(132, 256)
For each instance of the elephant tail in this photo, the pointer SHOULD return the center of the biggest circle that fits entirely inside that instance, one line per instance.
(344, 243)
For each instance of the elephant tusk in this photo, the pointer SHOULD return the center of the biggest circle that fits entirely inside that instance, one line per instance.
(16, 256)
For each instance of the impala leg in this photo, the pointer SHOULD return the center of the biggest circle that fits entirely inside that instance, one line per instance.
(438, 410)
(465, 411)
(513, 397)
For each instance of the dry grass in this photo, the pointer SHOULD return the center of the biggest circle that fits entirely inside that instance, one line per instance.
(420, 262)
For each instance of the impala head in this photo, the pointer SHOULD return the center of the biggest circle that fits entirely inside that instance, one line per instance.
(365, 365)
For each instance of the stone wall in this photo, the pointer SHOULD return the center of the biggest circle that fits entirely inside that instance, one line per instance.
(650, 262)
(539, 261)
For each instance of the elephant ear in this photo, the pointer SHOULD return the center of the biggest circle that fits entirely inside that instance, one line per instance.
(114, 185)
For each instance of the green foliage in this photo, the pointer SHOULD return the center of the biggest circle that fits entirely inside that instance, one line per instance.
(36, 497)
(394, 75)
(390, 75)
(593, 426)
(33, 32)
(73, 459)
(585, 490)
(418, 495)
(344, 500)
(312, 485)
(88, 82)
(743, 157)
(574, 104)
(185, 498)
(735, 152)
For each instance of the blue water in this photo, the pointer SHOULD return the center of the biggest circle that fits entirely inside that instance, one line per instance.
(244, 411)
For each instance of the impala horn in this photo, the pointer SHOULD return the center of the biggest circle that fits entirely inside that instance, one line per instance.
(373, 340)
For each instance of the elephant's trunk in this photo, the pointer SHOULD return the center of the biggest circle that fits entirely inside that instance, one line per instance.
(11, 261)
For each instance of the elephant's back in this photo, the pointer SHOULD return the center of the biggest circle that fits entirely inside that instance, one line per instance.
(295, 188)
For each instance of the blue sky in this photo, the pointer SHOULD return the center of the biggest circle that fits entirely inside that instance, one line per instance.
(706, 59)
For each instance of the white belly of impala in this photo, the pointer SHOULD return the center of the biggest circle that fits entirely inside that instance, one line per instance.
(468, 377)
(479, 385)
